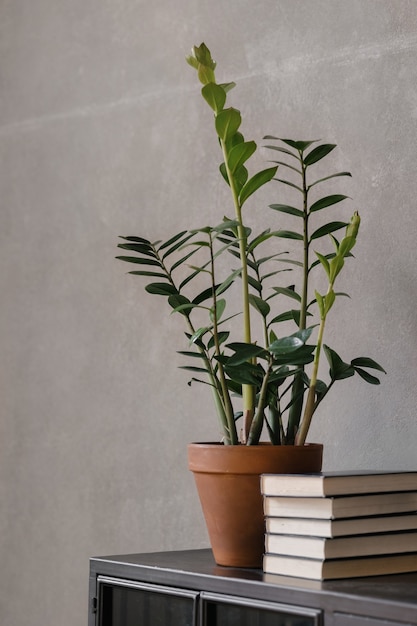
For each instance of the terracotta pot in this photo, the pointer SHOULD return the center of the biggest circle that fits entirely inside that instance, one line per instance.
(228, 484)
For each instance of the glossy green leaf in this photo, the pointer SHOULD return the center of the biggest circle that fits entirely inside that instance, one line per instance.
(138, 260)
(254, 183)
(240, 153)
(178, 244)
(214, 95)
(144, 273)
(137, 240)
(176, 300)
(204, 295)
(299, 145)
(329, 177)
(161, 289)
(229, 281)
(331, 227)
(260, 305)
(222, 337)
(373, 380)
(338, 368)
(220, 307)
(301, 356)
(244, 352)
(245, 373)
(325, 263)
(182, 260)
(367, 362)
(289, 183)
(223, 172)
(196, 337)
(318, 153)
(288, 291)
(187, 353)
(191, 368)
(289, 234)
(281, 149)
(327, 201)
(139, 248)
(227, 86)
(227, 123)
(285, 208)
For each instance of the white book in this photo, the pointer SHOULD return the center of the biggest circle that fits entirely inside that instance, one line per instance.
(337, 483)
(341, 547)
(316, 569)
(340, 506)
(341, 527)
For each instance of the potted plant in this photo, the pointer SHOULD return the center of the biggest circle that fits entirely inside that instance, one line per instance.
(272, 374)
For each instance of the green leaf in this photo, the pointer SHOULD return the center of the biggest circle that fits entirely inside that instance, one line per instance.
(329, 177)
(196, 337)
(173, 240)
(143, 273)
(367, 362)
(221, 336)
(318, 153)
(260, 305)
(240, 153)
(191, 368)
(285, 345)
(299, 145)
(320, 304)
(245, 373)
(284, 208)
(289, 183)
(227, 122)
(138, 260)
(183, 259)
(338, 368)
(220, 307)
(227, 86)
(178, 300)
(373, 380)
(257, 181)
(214, 95)
(137, 240)
(244, 352)
(289, 234)
(288, 291)
(161, 289)
(178, 244)
(331, 227)
(139, 248)
(229, 281)
(281, 149)
(204, 295)
(190, 354)
(301, 356)
(327, 201)
(325, 263)
(223, 172)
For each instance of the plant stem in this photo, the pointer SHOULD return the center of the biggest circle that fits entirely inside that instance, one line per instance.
(295, 411)
(248, 392)
(227, 405)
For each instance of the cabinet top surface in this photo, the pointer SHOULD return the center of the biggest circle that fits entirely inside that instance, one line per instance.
(197, 568)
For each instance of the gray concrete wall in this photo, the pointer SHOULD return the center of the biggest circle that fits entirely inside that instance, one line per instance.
(103, 132)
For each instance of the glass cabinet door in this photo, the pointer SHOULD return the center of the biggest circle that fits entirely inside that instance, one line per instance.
(220, 610)
(128, 603)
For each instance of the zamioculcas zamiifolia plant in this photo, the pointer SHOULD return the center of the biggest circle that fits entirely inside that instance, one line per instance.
(275, 375)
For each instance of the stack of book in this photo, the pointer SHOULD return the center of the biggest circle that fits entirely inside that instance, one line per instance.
(340, 524)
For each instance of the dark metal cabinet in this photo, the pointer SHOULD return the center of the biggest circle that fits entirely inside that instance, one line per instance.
(188, 589)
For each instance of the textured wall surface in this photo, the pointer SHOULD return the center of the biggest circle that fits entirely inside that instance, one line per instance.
(103, 132)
